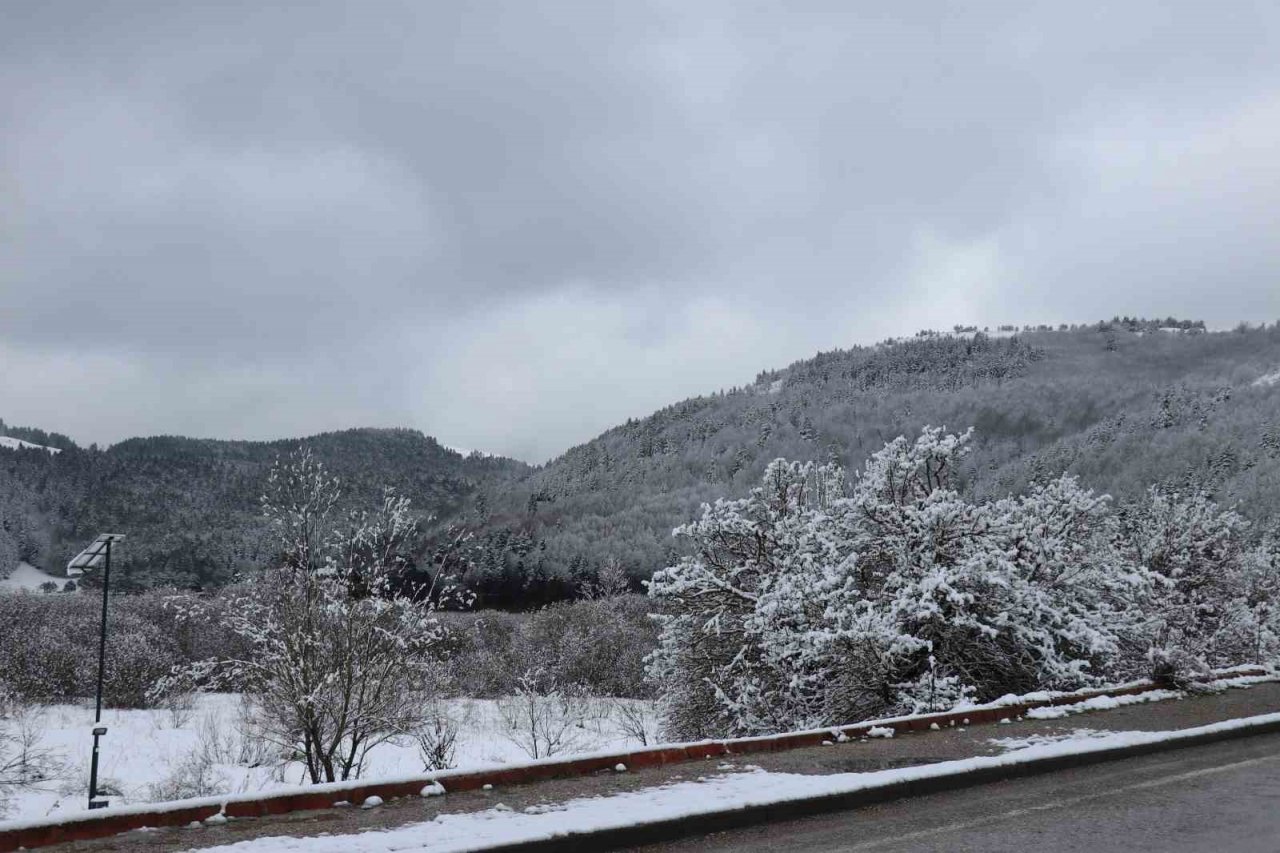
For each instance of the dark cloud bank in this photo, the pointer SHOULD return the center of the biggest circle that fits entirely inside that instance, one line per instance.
(514, 224)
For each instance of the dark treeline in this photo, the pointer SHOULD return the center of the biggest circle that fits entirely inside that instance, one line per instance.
(1124, 404)
(191, 507)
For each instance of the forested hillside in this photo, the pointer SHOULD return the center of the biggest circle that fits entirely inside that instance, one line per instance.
(191, 507)
(1124, 404)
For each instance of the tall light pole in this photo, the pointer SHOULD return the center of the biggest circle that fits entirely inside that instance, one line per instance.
(97, 554)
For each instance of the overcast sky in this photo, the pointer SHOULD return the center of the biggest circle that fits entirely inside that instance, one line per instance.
(513, 225)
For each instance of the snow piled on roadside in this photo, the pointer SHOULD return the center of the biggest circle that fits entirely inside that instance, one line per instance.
(1101, 703)
(1108, 703)
(452, 833)
(1010, 744)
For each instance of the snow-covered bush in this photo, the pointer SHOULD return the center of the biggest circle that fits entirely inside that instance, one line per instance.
(337, 661)
(742, 632)
(1212, 596)
(978, 600)
(813, 602)
(1258, 604)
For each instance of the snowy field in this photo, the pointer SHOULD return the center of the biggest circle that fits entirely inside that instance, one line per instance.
(147, 752)
(28, 578)
(1268, 380)
(732, 791)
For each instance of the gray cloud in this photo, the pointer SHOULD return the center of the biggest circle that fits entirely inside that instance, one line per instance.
(514, 224)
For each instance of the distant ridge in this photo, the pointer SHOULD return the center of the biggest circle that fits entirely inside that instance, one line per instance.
(1123, 404)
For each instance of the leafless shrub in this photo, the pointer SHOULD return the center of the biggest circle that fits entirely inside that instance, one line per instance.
(24, 760)
(180, 706)
(543, 718)
(437, 738)
(336, 656)
(195, 775)
(240, 741)
(636, 719)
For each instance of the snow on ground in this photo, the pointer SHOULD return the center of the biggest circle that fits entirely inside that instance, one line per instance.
(1101, 703)
(1268, 380)
(1010, 744)
(143, 748)
(500, 825)
(18, 444)
(1107, 703)
(28, 577)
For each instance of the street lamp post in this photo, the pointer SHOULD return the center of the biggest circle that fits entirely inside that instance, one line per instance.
(97, 554)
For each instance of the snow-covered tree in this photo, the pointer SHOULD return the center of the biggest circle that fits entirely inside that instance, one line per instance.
(337, 662)
(1194, 551)
(1258, 603)
(8, 553)
(810, 603)
(734, 651)
(16, 537)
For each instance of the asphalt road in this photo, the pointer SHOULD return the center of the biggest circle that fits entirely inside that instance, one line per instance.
(1220, 798)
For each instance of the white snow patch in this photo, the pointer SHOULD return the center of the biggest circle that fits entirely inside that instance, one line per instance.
(27, 577)
(142, 747)
(1009, 744)
(1102, 703)
(501, 825)
(1240, 681)
(1267, 380)
(18, 444)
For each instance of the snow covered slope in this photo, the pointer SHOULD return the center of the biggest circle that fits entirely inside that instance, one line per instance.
(1272, 378)
(28, 577)
(19, 444)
